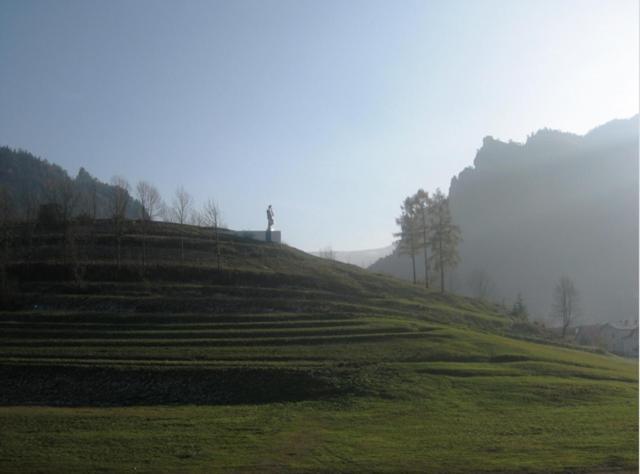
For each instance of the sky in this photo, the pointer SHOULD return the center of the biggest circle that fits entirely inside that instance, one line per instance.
(332, 111)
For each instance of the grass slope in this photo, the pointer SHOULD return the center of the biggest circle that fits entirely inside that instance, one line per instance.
(283, 362)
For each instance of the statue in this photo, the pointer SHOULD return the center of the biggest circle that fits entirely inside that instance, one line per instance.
(270, 222)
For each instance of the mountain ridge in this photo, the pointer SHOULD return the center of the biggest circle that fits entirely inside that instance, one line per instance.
(32, 181)
(524, 207)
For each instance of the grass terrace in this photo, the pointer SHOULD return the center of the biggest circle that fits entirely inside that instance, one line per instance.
(282, 362)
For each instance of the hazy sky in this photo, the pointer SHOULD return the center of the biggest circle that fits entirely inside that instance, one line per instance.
(332, 111)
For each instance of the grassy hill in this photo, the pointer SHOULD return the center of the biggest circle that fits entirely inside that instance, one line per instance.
(279, 361)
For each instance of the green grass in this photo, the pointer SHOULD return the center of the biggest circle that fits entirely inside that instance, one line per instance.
(283, 362)
(440, 424)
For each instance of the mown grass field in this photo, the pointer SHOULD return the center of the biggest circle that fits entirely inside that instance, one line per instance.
(283, 362)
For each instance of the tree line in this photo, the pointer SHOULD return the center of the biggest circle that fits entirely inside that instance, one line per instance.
(426, 227)
(62, 205)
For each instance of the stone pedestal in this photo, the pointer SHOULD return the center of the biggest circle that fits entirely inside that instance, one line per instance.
(261, 235)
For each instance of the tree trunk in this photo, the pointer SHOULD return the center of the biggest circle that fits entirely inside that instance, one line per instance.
(426, 268)
(441, 265)
(64, 242)
(413, 254)
(424, 237)
(413, 264)
(217, 249)
(116, 234)
(29, 238)
(144, 243)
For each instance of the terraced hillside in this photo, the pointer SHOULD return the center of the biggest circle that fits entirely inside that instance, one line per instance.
(274, 360)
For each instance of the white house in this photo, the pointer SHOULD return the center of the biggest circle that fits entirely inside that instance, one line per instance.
(620, 338)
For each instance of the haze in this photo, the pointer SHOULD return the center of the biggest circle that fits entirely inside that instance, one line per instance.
(331, 111)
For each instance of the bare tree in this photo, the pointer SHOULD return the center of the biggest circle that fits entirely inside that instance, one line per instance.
(164, 212)
(211, 214)
(150, 200)
(150, 207)
(181, 209)
(480, 284)
(519, 310)
(182, 206)
(119, 203)
(212, 218)
(64, 197)
(196, 217)
(327, 253)
(565, 306)
(88, 191)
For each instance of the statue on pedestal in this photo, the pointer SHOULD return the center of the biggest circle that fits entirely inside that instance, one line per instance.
(270, 222)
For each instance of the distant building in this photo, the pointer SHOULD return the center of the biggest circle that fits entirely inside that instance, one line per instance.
(619, 338)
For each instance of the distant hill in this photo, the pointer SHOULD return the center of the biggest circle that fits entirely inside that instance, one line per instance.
(361, 258)
(31, 180)
(558, 204)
